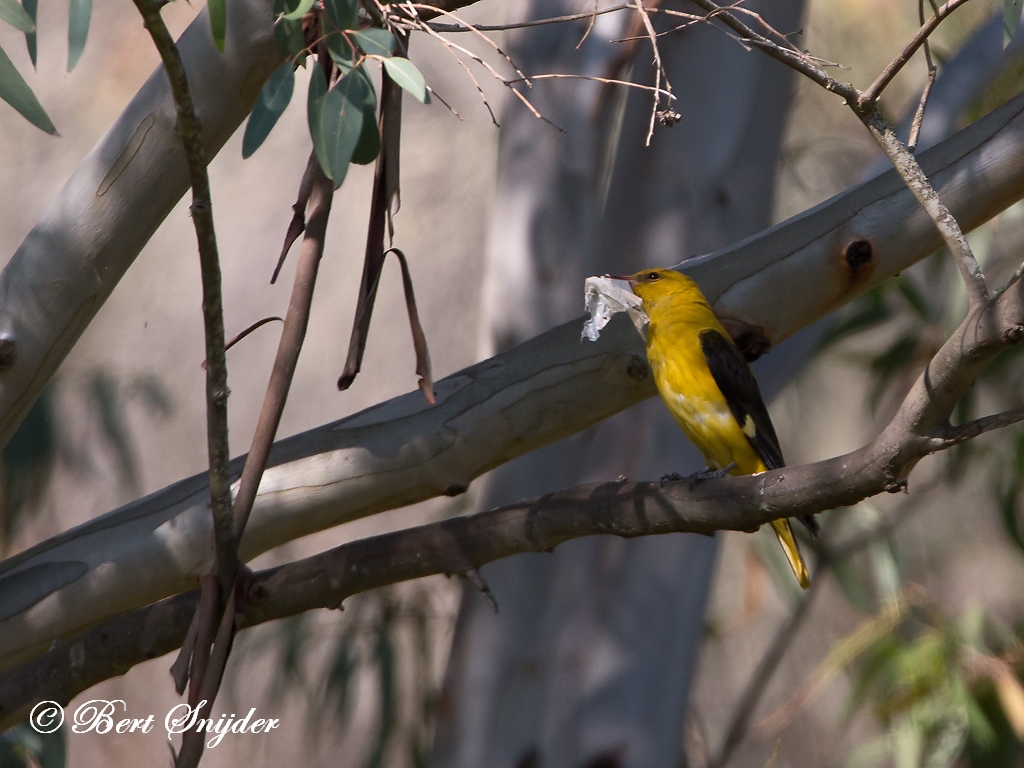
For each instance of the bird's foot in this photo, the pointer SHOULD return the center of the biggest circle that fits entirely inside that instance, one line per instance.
(699, 477)
(709, 474)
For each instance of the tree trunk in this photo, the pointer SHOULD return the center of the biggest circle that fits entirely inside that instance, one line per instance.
(590, 659)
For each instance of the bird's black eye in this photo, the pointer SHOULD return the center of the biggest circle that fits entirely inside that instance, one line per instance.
(652, 276)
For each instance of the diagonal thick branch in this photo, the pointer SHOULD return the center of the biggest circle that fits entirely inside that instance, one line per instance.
(865, 106)
(401, 452)
(627, 509)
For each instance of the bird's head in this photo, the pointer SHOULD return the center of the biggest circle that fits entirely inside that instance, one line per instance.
(652, 285)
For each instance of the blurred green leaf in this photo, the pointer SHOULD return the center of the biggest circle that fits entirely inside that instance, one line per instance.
(384, 658)
(109, 406)
(29, 459)
(1001, 749)
(270, 105)
(293, 637)
(15, 91)
(905, 285)
(218, 21)
(375, 42)
(314, 107)
(79, 13)
(341, 124)
(368, 147)
(892, 362)
(16, 16)
(405, 74)
(1010, 479)
(340, 674)
(870, 310)
(1011, 17)
(23, 747)
(30, 7)
(301, 10)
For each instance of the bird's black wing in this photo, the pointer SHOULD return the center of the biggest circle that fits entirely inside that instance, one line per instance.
(739, 387)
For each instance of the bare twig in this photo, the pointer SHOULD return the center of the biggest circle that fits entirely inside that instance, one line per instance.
(244, 333)
(298, 223)
(864, 105)
(439, 27)
(453, 47)
(471, 28)
(483, 96)
(788, 55)
(910, 171)
(606, 80)
(659, 69)
(590, 24)
(882, 623)
(951, 436)
(193, 740)
(874, 91)
(289, 346)
(190, 131)
(915, 126)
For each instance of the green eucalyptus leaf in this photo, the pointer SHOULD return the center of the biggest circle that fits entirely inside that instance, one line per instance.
(79, 13)
(288, 38)
(15, 91)
(270, 104)
(300, 11)
(368, 147)
(375, 42)
(341, 124)
(405, 74)
(218, 21)
(342, 14)
(314, 108)
(16, 16)
(30, 7)
(1011, 17)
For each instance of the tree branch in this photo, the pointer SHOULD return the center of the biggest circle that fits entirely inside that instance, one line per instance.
(869, 97)
(401, 452)
(627, 509)
(191, 134)
(865, 106)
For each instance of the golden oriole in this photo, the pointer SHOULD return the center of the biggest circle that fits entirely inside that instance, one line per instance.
(709, 388)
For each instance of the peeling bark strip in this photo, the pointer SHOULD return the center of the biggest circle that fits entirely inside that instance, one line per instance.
(552, 386)
(463, 544)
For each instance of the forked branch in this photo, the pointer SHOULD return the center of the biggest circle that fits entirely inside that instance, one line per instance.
(627, 509)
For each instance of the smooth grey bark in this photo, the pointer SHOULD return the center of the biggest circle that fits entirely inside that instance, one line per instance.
(593, 651)
(123, 189)
(547, 388)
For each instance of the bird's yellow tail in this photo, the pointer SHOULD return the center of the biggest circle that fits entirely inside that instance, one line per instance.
(789, 546)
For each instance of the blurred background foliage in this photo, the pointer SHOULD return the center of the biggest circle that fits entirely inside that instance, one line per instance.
(939, 682)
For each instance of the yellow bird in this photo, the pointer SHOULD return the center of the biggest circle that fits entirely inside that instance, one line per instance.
(709, 388)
